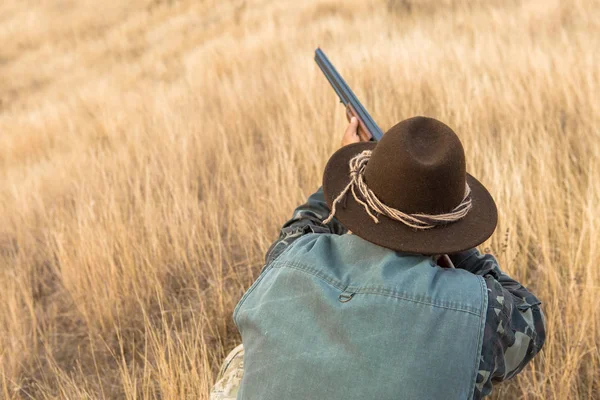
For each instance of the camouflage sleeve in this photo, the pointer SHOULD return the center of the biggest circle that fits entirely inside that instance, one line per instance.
(514, 328)
(307, 218)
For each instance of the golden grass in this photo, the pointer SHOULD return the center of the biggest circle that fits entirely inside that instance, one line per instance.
(150, 150)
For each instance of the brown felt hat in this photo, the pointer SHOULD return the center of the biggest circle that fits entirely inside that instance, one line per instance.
(417, 167)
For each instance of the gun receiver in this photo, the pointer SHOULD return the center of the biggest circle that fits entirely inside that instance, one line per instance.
(347, 97)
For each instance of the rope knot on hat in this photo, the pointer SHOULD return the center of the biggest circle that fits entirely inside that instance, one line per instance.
(374, 207)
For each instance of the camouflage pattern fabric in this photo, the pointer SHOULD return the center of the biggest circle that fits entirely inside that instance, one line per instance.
(514, 326)
(230, 376)
(308, 218)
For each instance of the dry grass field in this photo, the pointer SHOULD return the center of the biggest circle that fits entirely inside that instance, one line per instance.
(151, 149)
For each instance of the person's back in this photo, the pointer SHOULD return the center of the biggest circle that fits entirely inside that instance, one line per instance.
(328, 320)
(369, 313)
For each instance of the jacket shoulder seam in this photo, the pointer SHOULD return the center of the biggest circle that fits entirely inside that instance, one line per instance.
(368, 290)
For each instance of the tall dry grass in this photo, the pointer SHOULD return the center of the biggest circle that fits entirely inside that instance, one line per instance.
(149, 151)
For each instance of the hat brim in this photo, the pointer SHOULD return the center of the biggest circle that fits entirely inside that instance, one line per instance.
(468, 232)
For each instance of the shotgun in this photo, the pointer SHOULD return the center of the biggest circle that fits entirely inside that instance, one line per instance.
(347, 97)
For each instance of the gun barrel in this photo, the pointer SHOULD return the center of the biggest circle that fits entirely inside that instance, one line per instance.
(345, 93)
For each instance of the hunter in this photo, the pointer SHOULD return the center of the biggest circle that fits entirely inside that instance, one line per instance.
(375, 290)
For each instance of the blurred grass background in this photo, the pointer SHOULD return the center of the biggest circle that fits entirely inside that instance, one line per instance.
(151, 149)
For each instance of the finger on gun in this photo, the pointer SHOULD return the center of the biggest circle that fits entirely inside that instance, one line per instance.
(366, 135)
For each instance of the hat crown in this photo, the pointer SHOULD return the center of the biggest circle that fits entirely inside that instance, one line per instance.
(418, 167)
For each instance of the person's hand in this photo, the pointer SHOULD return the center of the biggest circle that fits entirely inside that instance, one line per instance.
(355, 132)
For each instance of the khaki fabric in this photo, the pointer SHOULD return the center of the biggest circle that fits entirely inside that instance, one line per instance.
(230, 376)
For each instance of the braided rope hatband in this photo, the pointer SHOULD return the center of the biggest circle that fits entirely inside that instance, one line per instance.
(374, 206)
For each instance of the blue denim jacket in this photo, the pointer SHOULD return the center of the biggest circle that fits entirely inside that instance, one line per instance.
(333, 316)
